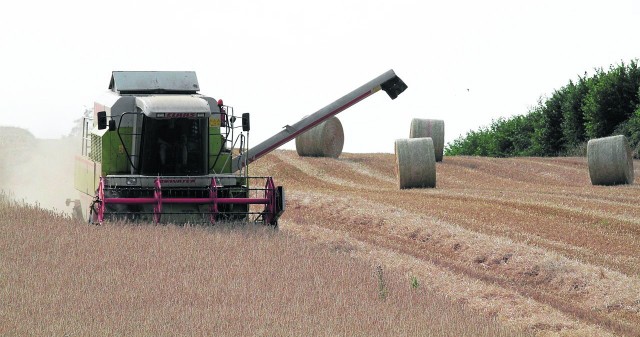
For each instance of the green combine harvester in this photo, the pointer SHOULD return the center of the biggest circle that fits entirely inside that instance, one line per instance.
(155, 150)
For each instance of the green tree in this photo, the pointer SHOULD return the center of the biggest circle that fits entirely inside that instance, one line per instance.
(611, 100)
(474, 143)
(573, 132)
(631, 129)
(549, 134)
(514, 136)
(592, 107)
(504, 138)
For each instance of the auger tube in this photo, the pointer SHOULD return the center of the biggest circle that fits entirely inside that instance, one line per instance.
(389, 82)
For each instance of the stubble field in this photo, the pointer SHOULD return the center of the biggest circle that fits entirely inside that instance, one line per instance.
(528, 240)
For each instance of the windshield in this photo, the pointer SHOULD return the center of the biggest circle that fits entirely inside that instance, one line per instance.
(174, 146)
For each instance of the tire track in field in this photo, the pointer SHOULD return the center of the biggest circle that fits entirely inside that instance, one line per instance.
(619, 263)
(532, 272)
(509, 306)
(511, 171)
(588, 243)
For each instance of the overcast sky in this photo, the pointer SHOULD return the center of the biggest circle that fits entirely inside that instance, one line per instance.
(466, 62)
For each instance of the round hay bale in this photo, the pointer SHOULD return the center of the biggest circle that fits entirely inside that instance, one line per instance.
(324, 140)
(610, 161)
(415, 162)
(432, 128)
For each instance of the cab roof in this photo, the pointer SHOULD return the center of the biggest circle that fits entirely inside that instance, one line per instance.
(154, 82)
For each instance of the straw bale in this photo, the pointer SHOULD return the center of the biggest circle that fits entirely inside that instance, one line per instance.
(432, 128)
(415, 162)
(610, 161)
(324, 140)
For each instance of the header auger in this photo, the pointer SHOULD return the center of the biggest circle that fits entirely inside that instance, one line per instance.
(157, 150)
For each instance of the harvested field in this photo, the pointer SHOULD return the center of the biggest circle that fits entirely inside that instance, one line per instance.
(527, 239)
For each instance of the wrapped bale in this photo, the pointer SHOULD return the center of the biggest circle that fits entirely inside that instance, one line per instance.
(610, 161)
(324, 140)
(432, 128)
(415, 162)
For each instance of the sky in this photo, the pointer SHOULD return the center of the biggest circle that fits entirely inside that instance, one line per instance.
(465, 62)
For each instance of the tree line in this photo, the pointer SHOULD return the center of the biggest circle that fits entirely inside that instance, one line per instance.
(601, 105)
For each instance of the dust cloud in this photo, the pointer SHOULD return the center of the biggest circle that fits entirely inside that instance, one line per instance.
(37, 171)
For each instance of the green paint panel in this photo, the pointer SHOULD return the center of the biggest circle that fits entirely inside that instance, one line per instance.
(114, 157)
(223, 165)
(223, 162)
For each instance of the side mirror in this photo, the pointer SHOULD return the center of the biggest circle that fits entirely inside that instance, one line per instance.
(102, 120)
(246, 125)
(112, 125)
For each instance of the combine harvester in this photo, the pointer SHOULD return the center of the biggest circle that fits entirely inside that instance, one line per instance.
(156, 150)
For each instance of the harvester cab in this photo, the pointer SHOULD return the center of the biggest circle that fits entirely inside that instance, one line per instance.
(157, 150)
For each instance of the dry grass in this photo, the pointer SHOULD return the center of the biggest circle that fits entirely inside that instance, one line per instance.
(63, 278)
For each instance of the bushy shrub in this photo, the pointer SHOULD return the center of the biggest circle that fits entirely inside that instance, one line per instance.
(631, 129)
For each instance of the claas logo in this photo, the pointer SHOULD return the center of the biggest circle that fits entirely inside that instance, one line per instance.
(181, 115)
